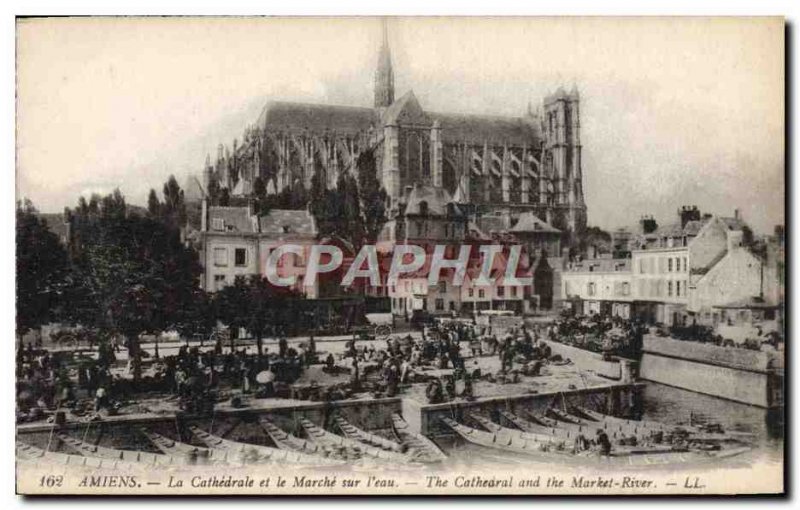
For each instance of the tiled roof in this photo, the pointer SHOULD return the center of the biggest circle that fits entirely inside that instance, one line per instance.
(317, 118)
(406, 110)
(528, 222)
(693, 227)
(733, 223)
(235, 219)
(287, 221)
(477, 128)
(603, 265)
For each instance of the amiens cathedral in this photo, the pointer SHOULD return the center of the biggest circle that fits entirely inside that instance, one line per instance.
(501, 165)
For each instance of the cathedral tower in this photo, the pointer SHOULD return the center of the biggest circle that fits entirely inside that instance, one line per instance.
(384, 76)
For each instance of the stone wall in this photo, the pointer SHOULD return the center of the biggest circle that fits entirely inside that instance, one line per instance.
(587, 360)
(726, 372)
(707, 353)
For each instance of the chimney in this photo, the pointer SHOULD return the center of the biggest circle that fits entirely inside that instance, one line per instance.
(648, 224)
(735, 238)
(688, 213)
(736, 214)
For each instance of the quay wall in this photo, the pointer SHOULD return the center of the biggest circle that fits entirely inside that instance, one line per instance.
(234, 424)
(587, 360)
(731, 373)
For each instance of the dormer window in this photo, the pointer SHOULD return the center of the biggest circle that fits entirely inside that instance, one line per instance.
(423, 207)
(218, 224)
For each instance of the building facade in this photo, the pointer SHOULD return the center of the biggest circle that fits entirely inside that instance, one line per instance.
(679, 278)
(531, 163)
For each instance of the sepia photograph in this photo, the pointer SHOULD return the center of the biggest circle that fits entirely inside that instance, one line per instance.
(400, 255)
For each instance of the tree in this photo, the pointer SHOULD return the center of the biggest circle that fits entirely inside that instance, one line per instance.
(319, 191)
(41, 270)
(230, 306)
(174, 203)
(153, 204)
(252, 303)
(130, 274)
(197, 318)
(594, 236)
(371, 195)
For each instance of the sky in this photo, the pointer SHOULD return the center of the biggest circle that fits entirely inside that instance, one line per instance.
(674, 111)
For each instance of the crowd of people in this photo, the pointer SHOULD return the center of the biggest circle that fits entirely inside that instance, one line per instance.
(605, 334)
(445, 357)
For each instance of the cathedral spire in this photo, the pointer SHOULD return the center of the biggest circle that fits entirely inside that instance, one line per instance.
(384, 76)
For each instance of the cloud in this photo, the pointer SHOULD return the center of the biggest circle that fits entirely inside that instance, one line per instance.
(672, 111)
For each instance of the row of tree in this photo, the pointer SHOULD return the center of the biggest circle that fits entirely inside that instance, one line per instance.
(125, 271)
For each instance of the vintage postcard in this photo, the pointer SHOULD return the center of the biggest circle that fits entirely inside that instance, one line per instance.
(401, 255)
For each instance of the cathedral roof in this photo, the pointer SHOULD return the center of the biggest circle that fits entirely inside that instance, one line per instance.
(406, 110)
(317, 118)
(479, 128)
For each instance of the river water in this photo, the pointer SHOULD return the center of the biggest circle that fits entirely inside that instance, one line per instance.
(659, 403)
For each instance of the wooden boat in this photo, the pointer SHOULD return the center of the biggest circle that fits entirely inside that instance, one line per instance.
(503, 441)
(323, 437)
(352, 432)
(612, 423)
(193, 454)
(419, 446)
(543, 425)
(147, 458)
(542, 453)
(286, 441)
(32, 455)
(522, 435)
(256, 454)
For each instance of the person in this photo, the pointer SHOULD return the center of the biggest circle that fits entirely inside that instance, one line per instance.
(100, 399)
(283, 345)
(603, 442)
(405, 368)
(354, 383)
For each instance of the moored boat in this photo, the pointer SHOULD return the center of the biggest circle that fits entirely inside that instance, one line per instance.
(193, 454)
(147, 458)
(613, 423)
(352, 432)
(419, 446)
(322, 436)
(32, 455)
(257, 454)
(286, 441)
(523, 435)
(541, 452)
